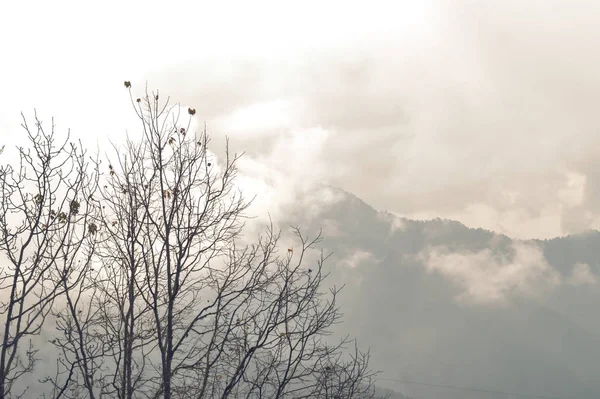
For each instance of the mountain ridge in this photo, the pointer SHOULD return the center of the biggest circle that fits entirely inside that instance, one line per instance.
(522, 324)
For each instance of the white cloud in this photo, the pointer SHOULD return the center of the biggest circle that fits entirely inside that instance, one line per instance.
(582, 275)
(418, 107)
(289, 177)
(395, 221)
(259, 119)
(573, 193)
(434, 127)
(356, 258)
(486, 277)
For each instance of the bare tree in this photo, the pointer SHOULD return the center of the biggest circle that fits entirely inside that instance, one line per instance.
(175, 306)
(45, 207)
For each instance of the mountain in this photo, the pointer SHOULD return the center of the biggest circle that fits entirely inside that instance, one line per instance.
(451, 312)
(473, 311)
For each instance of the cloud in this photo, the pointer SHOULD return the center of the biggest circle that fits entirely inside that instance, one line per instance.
(582, 275)
(477, 114)
(481, 111)
(396, 223)
(276, 193)
(356, 258)
(486, 277)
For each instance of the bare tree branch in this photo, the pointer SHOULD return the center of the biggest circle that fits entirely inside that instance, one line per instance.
(170, 305)
(45, 225)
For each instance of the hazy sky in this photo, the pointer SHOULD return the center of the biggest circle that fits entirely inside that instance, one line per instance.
(482, 111)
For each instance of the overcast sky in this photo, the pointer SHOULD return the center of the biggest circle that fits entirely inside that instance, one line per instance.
(486, 112)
